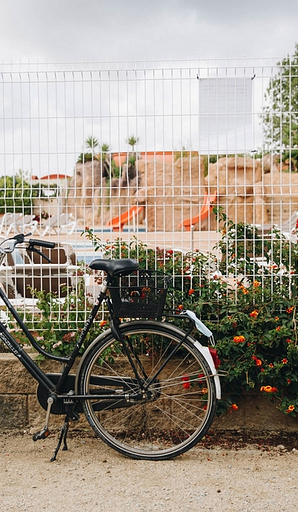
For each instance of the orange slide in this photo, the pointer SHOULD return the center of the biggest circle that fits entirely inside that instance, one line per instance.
(206, 209)
(117, 223)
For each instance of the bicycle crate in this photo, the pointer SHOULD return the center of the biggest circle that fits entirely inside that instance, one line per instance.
(142, 294)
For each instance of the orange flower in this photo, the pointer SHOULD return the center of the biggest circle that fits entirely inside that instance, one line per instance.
(268, 389)
(291, 408)
(239, 339)
(256, 284)
(191, 291)
(254, 314)
(234, 407)
(278, 328)
(257, 361)
(276, 318)
(102, 323)
(290, 309)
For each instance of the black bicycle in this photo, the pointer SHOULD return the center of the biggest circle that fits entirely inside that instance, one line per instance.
(147, 388)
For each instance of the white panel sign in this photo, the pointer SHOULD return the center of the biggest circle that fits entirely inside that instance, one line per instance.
(225, 119)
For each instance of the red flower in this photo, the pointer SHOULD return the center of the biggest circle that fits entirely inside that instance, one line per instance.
(290, 309)
(186, 383)
(254, 314)
(191, 291)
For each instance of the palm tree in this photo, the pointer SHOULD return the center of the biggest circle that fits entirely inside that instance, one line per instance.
(105, 148)
(132, 141)
(91, 143)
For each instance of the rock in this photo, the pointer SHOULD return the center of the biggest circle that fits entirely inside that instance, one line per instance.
(172, 191)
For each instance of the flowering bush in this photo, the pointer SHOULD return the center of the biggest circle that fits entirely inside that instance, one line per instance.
(249, 303)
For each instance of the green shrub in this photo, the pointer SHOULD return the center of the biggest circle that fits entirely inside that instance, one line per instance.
(251, 307)
(16, 194)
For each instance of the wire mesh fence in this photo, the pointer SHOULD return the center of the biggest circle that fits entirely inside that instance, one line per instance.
(183, 158)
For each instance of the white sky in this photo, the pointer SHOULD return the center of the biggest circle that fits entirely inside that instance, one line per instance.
(117, 30)
(69, 31)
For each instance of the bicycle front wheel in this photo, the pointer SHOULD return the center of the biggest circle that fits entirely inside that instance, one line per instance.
(167, 417)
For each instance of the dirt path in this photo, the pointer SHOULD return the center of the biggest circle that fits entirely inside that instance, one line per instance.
(92, 477)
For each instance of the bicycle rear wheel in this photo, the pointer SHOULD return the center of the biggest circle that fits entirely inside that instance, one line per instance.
(176, 410)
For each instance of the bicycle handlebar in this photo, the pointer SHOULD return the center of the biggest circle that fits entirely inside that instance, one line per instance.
(41, 243)
(9, 245)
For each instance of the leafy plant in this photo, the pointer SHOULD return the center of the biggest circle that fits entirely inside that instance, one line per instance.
(17, 194)
(253, 315)
(250, 305)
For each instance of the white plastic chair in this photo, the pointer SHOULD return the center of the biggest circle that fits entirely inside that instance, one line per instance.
(64, 222)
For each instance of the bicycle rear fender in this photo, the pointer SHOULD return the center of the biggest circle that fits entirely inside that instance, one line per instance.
(206, 354)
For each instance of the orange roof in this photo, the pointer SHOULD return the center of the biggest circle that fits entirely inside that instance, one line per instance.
(55, 177)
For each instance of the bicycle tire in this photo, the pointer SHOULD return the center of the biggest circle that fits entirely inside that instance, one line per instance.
(184, 396)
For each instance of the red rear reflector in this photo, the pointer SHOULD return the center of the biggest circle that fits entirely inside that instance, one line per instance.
(215, 357)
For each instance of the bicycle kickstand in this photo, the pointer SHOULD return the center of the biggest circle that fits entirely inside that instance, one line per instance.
(62, 437)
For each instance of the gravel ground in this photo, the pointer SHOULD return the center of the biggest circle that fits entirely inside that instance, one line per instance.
(224, 473)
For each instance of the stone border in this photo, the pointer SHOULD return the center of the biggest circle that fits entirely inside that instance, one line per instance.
(19, 408)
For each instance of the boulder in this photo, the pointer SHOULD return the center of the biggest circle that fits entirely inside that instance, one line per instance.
(233, 179)
(171, 191)
(276, 198)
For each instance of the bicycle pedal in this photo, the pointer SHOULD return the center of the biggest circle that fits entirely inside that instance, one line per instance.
(43, 434)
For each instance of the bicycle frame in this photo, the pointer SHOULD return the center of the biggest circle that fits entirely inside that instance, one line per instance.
(55, 389)
(28, 362)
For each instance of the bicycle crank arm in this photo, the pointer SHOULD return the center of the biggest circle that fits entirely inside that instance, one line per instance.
(44, 433)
